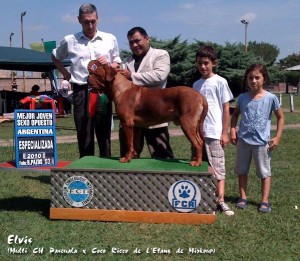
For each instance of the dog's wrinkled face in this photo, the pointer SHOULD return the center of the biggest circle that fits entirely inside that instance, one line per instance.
(96, 78)
(100, 74)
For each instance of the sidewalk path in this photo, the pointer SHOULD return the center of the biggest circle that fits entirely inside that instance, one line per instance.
(73, 138)
(114, 135)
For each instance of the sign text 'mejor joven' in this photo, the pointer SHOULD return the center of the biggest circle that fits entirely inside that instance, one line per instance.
(35, 138)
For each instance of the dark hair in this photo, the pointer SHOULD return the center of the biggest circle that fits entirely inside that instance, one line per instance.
(87, 8)
(259, 67)
(133, 30)
(207, 51)
(35, 88)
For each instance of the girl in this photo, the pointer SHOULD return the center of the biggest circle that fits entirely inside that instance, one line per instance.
(253, 137)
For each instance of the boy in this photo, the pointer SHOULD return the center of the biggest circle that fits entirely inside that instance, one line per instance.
(217, 93)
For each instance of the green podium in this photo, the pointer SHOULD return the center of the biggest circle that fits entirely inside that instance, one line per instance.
(144, 190)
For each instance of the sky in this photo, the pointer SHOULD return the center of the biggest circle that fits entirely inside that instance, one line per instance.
(272, 21)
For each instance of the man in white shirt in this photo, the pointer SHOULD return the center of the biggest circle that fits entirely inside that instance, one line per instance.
(81, 48)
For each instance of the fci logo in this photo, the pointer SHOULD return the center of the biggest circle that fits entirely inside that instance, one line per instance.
(184, 196)
(78, 191)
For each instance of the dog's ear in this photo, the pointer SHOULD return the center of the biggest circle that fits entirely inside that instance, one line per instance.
(110, 73)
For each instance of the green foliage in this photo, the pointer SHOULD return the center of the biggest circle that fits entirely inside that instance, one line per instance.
(265, 51)
(181, 61)
(124, 54)
(293, 77)
(232, 61)
(276, 74)
(290, 61)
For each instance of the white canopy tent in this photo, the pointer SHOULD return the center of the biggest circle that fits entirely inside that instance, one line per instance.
(294, 68)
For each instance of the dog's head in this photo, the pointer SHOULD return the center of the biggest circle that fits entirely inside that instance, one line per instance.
(100, 75)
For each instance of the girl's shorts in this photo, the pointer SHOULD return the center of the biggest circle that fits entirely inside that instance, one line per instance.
(261, 156)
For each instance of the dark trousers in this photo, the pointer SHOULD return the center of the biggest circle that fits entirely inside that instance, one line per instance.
(158, 142)
(87, 126)
(67, 105)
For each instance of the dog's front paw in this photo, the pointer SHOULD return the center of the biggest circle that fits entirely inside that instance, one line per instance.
(124, 160)
(195, 163)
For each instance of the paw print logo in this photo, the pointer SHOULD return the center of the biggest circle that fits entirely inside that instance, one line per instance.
(184, 196)
(184, 191)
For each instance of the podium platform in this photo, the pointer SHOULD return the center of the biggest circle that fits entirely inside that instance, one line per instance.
(144, 190)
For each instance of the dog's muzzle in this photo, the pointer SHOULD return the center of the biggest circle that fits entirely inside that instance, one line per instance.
(91, 83)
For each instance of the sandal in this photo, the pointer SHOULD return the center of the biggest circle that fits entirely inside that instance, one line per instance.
(267, 208)
(241, 203)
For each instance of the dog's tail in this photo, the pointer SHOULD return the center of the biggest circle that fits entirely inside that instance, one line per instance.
(202, 118)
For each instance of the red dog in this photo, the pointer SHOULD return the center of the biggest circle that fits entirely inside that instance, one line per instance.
(143, 107)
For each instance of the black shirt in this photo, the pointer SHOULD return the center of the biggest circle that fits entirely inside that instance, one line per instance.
(137, 62)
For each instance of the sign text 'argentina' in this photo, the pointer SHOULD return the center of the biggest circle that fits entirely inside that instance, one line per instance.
(35, 138)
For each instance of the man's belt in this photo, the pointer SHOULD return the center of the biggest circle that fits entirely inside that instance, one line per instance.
(78, 87)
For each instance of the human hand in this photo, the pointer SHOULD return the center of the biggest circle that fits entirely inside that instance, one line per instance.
(233, 137)
(273, 143)
(224, 140)
(126, 73)
(102, 60)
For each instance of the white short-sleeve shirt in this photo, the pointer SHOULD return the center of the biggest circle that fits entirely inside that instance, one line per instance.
(81, 50)
(217, 92)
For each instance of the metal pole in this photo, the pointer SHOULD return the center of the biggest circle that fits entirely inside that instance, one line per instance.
(246, 42)
(10, 45)
(280, 99)
(10, 39)
(291, 102)
(22, 33)
(246, 27)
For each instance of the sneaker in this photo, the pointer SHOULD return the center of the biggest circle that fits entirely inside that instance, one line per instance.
(226, 209)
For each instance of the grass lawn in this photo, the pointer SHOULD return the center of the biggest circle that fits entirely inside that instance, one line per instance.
(248, 235)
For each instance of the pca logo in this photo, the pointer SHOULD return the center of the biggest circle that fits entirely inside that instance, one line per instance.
(78, 191)
(184, 196)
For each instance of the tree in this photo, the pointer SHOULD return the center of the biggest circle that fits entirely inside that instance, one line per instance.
(180, 59)
(232, 61)
(291, 77)
(264, 51)
(276, 74)
(290, 61)
(124, 54)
